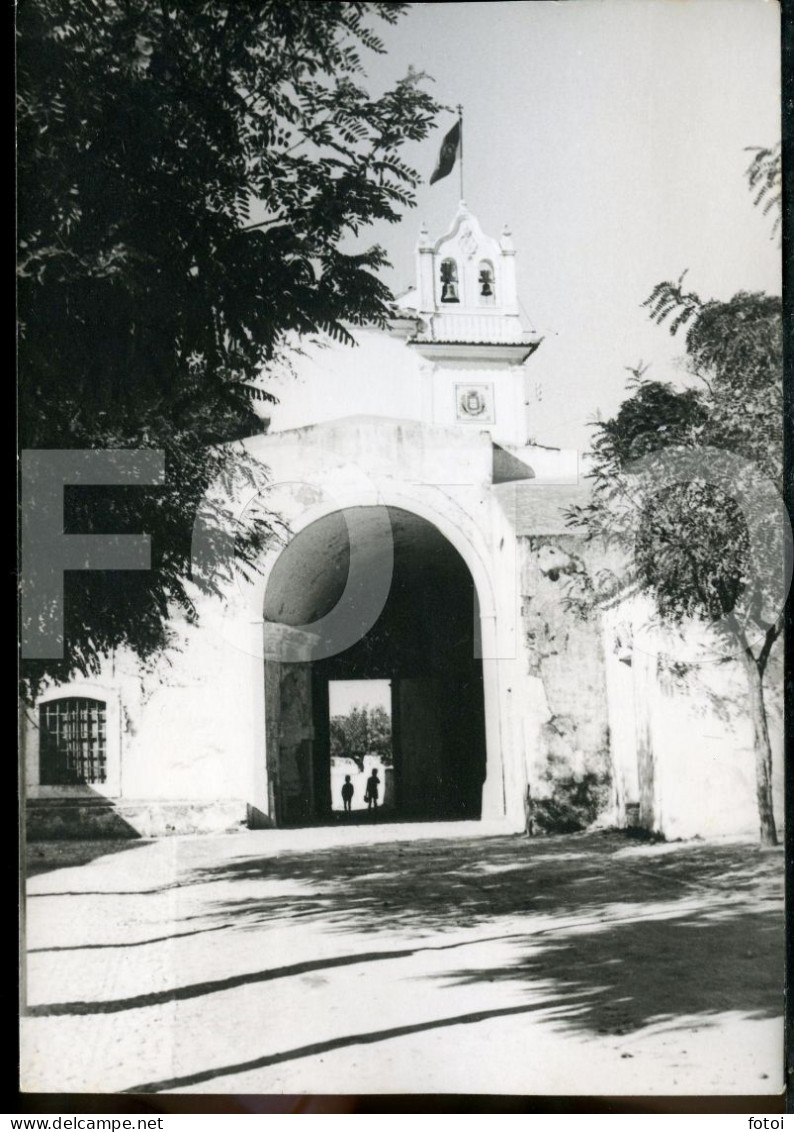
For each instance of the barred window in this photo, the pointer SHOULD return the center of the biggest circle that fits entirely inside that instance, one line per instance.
(72, 742)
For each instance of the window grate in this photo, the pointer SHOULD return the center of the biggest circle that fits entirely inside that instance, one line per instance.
(73, 742)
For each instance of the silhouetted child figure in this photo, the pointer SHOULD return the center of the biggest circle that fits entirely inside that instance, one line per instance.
(371, 796)
(347, 793)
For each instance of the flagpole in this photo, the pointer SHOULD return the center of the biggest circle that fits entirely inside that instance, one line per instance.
(460, 119)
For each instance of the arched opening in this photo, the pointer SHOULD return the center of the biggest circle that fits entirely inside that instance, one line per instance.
(486, 287)
(449, 281)
(422, 643)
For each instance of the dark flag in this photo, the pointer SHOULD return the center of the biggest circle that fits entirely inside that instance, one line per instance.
(449, 151)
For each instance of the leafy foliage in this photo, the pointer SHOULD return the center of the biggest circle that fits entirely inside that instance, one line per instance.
(687, 542)
(656, 416)
(188, 176)
(735, 349)
(690, 542)
(765, 180)
(363, 731)
(669, 300)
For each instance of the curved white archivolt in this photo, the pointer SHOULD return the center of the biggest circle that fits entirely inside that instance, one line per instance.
(463, 542)
(333, 579)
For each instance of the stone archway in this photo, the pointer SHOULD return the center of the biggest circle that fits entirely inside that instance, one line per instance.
(423, 641)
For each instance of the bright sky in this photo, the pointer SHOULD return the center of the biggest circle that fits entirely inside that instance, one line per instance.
(610, 135)
(343, 695)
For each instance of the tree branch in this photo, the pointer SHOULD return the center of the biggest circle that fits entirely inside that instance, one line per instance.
(771, 635)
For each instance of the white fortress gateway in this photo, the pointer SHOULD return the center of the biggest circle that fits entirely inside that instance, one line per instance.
(423, 543)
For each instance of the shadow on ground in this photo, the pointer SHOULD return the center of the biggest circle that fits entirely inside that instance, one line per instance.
(628, 938)
(437, 886)
(621, 977)
(634, 934)
(47, 856)
(621, 936)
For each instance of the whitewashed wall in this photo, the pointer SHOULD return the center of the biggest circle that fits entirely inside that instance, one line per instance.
(680, 735)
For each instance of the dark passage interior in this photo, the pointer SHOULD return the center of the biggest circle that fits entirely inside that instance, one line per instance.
(422, 641)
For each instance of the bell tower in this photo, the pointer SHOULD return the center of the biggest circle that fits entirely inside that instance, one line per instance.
(469, 331)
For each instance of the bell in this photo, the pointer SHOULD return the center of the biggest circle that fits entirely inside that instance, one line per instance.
(449, 282)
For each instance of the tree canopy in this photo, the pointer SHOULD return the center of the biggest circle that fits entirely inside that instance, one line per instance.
(688, 481)
(735, 350)
(190, 178)
(362, 731)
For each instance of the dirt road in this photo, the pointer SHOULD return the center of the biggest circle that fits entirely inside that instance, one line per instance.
(379, 960)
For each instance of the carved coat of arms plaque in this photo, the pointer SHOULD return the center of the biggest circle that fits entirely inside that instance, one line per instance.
(474, 402)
